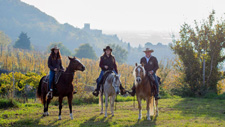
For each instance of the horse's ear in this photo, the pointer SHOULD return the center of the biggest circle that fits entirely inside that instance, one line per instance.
(74, 57)
(69, 58)
(136, 64)
(142, 64)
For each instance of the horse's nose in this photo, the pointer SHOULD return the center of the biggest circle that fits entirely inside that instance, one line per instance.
(83, 68)
(138, 79)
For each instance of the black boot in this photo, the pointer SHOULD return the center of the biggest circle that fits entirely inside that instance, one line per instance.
(123, 91)
(96, 92)
(133, 91)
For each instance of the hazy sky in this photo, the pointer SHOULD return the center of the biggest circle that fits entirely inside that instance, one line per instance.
(123, 17)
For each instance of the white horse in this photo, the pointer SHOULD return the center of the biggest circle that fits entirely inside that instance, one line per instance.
(111, 89)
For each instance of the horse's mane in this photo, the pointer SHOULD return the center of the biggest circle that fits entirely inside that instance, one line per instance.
(111, 77)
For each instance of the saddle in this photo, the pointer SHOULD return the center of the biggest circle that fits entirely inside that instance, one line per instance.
(55, 79)
(104, 77)
(152, 83)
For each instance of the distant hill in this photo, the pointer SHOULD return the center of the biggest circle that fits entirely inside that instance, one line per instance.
(17, 16)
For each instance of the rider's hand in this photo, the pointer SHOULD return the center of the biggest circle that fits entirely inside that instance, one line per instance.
(151, 72)
(55, 69)
(106, 67)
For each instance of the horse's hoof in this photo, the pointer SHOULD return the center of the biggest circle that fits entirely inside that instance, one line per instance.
(112, 115)
(71, 118)
(101, 113)
(105, 115)
(60, 118)
(139, 118)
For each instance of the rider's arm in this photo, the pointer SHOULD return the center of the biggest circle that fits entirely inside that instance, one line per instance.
(156, 66)
(50, 63)
(101, 64)
(115, 66)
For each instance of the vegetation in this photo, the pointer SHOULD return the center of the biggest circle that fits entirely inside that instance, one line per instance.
(200, 51)
(85, 51)
(119, 53)
(23, 42)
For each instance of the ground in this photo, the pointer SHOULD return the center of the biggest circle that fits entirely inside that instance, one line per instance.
(172, 112)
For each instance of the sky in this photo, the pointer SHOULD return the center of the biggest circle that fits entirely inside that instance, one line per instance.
(135, 21)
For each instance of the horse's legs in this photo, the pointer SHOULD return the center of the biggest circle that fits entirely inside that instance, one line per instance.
(157, 110)
(45, 105)
(48, 101)
(101, 100)
(60, 106)
(112, 100)
(148, 108)
(106, 104)
(139, 107)
(70, 97)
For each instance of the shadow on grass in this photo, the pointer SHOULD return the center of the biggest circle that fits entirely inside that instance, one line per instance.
(97, 122)
(146, 123)
(198, 107)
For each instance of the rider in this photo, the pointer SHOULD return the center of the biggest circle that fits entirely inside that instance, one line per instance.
(54, 63)
(107, 62)
(151, 66)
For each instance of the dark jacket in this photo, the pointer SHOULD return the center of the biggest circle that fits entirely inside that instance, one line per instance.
(52, 64)
(151, 65)
(108, 61)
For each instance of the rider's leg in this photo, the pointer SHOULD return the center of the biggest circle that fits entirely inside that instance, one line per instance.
(133, 91)
(157, 87)
(51, 77)
(96, 92)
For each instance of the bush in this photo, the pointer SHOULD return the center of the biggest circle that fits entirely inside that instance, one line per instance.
(8, 103)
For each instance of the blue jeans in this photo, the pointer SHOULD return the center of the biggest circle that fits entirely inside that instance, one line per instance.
(157, 84)
(51, 77)
(100, 78)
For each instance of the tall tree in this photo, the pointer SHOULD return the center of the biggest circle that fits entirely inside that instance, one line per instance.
(201, 51)
(119, 53)
(4, 40)
(23, 42)
(63, 49)
(85, 51)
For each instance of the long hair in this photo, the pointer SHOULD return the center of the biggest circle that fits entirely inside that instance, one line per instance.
(54, 56)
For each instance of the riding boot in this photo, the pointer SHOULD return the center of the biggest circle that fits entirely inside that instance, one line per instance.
(157, 91)
(123, 91)
(133, 91)
(96, 92)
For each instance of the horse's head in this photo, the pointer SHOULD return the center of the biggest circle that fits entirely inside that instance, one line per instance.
(75, 64)
(116, 83)
(139, 73)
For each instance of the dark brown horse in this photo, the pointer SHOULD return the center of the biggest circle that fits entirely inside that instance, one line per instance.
(64, 87)
(144, 91)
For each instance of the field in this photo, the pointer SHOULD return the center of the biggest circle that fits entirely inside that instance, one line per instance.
(172, 112)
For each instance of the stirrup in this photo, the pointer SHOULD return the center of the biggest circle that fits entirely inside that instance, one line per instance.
(49, 94)
(131, 93)
(95, 93)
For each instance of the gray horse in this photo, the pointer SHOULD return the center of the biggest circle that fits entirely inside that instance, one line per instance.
(111, 89)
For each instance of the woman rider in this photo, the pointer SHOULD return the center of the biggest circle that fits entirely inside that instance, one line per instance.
(54, 64)
(107, 62)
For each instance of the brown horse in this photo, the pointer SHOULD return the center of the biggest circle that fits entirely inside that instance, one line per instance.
(64, 87)
(144, 91)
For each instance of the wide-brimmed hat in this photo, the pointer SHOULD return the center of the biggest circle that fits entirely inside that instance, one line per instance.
(107, 47)
(55, 47)
(148, 50)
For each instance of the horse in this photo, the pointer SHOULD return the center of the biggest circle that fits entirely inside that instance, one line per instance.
(111, 89)
(144, 91)
(64, 87)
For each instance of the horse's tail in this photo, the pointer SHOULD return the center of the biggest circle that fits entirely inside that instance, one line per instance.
(39, 90)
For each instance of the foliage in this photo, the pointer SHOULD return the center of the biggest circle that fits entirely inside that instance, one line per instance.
(63, 49)
(119, 53)
(205, 42)
(23, 42)
(8, 103)
(85, 51)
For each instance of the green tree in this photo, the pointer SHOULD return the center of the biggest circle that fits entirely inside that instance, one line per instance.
(63, 49)
(85, 51)
(119, 53)
(201, 51)
(23, 42)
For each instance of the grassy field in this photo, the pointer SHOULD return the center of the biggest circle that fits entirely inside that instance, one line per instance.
(172, 112)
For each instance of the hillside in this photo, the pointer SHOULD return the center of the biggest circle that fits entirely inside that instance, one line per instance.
(17, 16)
